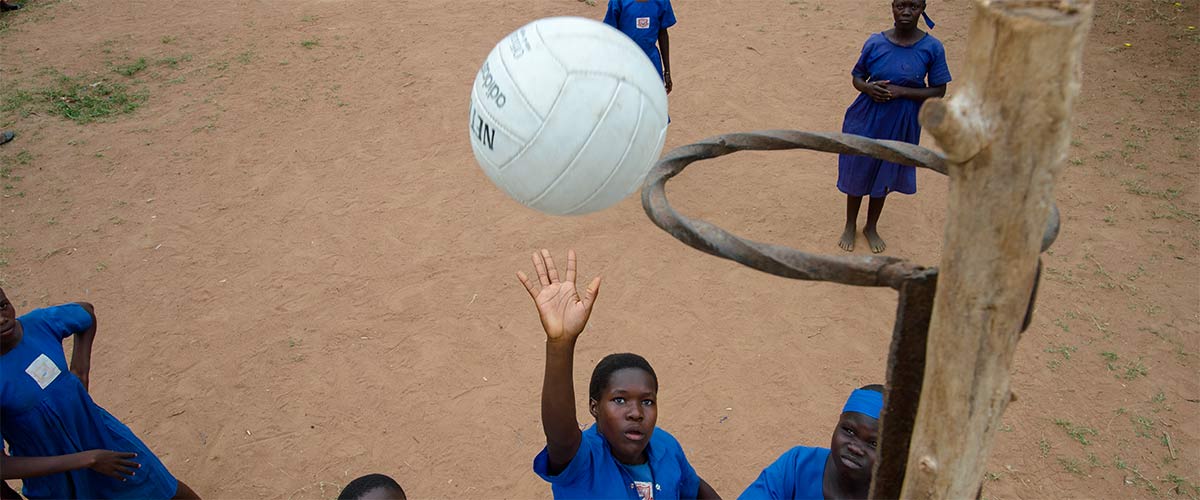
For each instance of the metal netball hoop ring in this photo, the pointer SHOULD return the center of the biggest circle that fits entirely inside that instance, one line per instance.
(858, 270)
(917, 284)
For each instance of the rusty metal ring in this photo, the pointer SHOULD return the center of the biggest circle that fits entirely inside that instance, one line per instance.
(858, 270)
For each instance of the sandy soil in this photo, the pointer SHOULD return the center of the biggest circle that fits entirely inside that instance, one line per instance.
(302, 276)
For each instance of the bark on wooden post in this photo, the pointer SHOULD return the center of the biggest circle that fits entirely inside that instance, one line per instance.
(1006, 132)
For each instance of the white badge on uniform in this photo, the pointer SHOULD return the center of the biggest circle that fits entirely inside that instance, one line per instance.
(43, 371)
(643, 23)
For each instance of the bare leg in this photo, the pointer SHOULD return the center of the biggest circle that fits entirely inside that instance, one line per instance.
(852, 205)
(870, 231)
(183, 492)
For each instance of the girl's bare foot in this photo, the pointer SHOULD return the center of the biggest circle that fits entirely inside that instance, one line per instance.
(877, 244)
(847, 241)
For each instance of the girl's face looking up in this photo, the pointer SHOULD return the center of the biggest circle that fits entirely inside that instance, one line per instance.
(627, 412)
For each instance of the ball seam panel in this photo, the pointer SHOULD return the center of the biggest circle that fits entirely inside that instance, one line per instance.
(612, 100)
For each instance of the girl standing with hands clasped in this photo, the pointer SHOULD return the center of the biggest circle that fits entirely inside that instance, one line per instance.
(891, 77)
(63, 444)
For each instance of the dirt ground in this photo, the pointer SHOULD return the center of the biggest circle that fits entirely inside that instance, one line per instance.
(302, 276)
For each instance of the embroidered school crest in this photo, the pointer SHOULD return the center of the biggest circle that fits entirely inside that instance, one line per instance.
(643, 23)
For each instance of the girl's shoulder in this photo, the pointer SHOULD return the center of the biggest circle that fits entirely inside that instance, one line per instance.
(931, 41)
(876, 38)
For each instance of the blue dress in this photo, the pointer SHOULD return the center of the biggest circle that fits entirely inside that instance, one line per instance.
(595, 473)
(45, 411)
(641, 21)
(895, 120)
(798, 474)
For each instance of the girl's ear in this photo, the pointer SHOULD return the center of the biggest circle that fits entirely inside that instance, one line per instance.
(592, 406)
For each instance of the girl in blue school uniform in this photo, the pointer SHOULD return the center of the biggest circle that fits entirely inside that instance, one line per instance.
(891, 76)
(841, 471)
(63, 444)
(646, 22)
(624, 455)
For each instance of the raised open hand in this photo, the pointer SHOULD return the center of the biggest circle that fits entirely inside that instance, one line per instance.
(563, 312)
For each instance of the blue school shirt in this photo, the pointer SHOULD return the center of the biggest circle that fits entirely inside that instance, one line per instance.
(46, 411)
(641, 21)
(798, 474)
(595, 473)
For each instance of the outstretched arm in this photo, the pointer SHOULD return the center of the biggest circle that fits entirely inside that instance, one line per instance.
(564, 314)
(664, 46)
(81, 353)
(114, 464)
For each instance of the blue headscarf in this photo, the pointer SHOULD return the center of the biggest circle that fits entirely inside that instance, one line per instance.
(866, 402)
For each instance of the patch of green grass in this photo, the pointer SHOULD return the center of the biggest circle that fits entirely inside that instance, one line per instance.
(1071, 465)
(1065, 350)
(309, 44)
(173, 61)
(1159, 398)
(1176, 213)
(75, 99)
(101, 267)
(1111, 358)
(1134, 369)
(1044, 447)
(1136, 187)
(1142, 426)
(16, 100)
(1182, 486)
(1079, 433)
(168, 40)
(132, 68)
(245, 57)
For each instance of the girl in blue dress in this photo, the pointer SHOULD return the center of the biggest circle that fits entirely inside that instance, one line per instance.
(841, 471)
(625, 454)
(646, 22)
(63, 444)
(891, 77)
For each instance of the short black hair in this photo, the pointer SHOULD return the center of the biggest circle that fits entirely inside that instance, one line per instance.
(361, 486)
(872, 387)
(611, 364)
